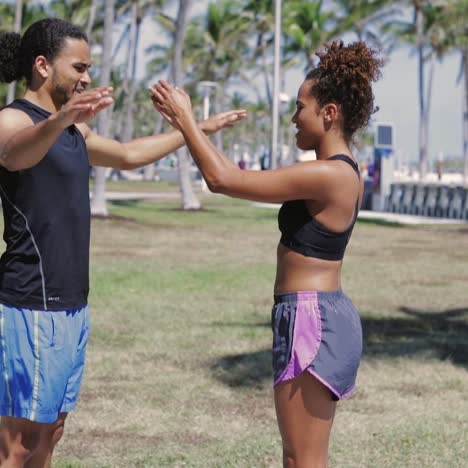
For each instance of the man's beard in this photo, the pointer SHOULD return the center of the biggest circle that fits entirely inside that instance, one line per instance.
(62, 94)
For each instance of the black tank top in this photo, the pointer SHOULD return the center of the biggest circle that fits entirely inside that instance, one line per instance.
(303, 234)
(46, 213)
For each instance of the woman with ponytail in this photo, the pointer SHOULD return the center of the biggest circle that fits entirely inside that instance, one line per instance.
(317, 335)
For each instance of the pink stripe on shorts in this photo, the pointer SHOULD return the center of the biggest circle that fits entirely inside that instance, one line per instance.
(319, 332)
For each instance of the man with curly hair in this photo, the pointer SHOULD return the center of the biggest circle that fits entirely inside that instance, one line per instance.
(46, 149)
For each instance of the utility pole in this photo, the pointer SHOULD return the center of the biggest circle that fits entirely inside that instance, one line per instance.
(276, 80)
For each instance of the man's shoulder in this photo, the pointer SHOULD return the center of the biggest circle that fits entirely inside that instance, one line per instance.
(12, 121)
(10, 116)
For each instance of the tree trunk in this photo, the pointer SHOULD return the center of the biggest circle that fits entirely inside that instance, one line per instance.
(149, 170)
(123, 97)
(276, 86)
(98, 204)
(424, 149)
(91, 19)
(136, 28)
(269, 96)
(266, 76)
(465, 116)
(419, 18)
(218, 136)
(17, 28)
(189, 199)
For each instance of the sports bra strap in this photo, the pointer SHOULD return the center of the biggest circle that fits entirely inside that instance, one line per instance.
(345, 158)
(354, 165)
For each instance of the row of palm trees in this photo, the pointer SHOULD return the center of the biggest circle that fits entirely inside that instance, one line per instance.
(231, 44)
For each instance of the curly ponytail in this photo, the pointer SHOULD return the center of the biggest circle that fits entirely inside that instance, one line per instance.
(344, 76)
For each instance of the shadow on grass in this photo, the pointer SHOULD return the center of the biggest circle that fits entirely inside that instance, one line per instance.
(442, 335)
(222, 213)
(126, 202)
(240, 324)
(244, 370)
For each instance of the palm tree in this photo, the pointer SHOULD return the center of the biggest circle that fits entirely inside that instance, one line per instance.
(16, 28)
(426, 32)
(91, 17)
(259, 124)
(465, 114)
(216, 45)
(7, 13)
(98, 204)
(217, 49)
(137, 10)
(463, 48)
(169, 60)
(79, 12)
(363, 17)
(161, 55)
(262, 25)
(189, 199)
(160, 63)
(308, 25)
(423, 100)
(455, 22)
(129, 84)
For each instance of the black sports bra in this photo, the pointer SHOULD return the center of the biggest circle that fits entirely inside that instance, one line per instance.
(301, 233)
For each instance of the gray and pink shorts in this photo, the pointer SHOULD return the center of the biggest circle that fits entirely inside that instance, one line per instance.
(318, 332)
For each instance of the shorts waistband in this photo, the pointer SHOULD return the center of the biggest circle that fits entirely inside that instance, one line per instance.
(307, 295)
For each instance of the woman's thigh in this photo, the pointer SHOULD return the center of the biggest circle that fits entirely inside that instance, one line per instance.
(305, 411)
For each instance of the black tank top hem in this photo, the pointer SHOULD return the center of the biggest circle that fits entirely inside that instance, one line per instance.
(38, 303)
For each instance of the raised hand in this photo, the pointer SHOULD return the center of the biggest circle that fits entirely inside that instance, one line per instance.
(222, 120)
(172, 102)
(84, 106)
(175, 106)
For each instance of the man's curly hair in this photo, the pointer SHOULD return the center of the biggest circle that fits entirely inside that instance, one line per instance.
(44, 37)
(343, 77)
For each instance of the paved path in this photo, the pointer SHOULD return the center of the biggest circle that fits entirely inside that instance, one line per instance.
(114, 195)
(406, 218)
(389, 217)
(363, 214)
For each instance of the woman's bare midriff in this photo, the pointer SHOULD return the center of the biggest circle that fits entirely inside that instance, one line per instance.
(295, 272)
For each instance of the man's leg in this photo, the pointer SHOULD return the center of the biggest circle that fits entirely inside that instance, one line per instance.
(38, 347)
(28, 443)
(12, 452)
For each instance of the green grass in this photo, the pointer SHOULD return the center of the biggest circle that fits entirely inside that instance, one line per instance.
(139, 186)
(178, 371)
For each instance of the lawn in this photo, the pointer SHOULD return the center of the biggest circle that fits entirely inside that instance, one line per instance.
(178, 371)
